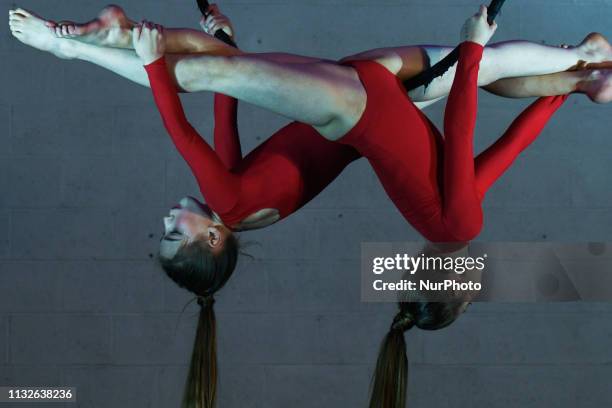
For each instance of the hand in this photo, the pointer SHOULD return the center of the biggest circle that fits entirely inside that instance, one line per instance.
(215, 21)
(477, 28)
(148, 40)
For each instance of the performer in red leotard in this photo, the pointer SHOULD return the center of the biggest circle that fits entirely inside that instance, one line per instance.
(435, 182)
(282, 174)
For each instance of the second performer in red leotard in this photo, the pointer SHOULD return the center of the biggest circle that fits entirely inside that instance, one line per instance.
(434, 181)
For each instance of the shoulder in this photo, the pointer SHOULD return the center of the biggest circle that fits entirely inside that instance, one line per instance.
(260, 219)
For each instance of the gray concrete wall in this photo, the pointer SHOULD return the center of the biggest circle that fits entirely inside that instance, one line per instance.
(87, 172)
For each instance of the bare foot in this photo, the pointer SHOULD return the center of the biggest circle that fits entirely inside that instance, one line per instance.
(595, 48)
(598, 85)
(33, 30)
(112, 28)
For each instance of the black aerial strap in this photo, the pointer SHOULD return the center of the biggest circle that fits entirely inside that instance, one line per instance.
(427, 76)
(220, 34)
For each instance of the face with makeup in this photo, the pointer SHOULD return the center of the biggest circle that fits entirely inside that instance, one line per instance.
(191, 221)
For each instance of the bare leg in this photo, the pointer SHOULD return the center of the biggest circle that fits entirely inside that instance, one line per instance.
(328, 96)
(315, 93)
(122, 62)
(501, 60)
(188, 69)
(596, 84)
(543, 85)
(113, 28)
(517, 59)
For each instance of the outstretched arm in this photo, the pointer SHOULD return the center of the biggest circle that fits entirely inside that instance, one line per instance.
(495, 160)
(219, 187)
(461, 210)
(227, 138)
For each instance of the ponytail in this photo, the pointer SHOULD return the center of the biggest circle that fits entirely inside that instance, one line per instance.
(201, 386)
(391, 375)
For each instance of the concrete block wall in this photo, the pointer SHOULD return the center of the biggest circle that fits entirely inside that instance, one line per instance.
(87, 172)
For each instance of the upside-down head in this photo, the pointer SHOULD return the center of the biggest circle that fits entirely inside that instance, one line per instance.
(199, 254)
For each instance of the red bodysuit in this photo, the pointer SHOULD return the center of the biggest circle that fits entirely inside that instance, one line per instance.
(434, 181)
(403, 146)
(285, 172)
